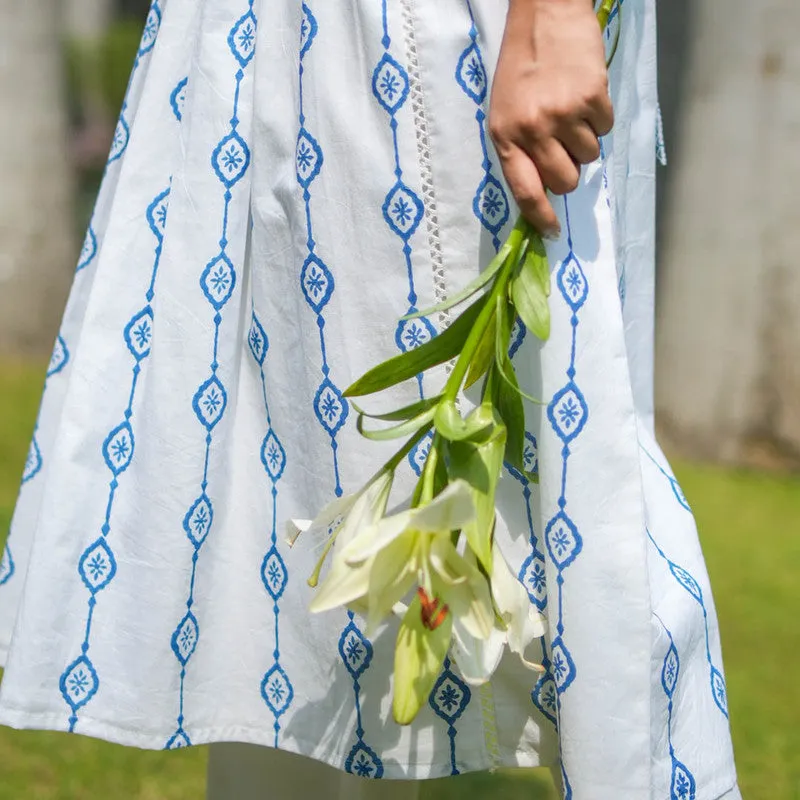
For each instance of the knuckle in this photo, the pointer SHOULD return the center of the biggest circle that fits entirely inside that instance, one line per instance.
(533, 123)
(529, 198)
(496, 128)
(563, 110)
(564, 184)
(544, 119)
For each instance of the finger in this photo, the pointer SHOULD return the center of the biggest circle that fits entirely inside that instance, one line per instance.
(558, 171)
(600, 114)
(581, 142)
(529, 192)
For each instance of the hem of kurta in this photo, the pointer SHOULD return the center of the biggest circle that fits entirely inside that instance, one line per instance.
(396, 770)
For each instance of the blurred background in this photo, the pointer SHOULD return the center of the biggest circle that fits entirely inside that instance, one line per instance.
(728, 349)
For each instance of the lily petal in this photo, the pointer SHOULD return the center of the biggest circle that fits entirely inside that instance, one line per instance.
(294, 527)
(469, 600)
(374, 538)
(392, 575)
(446, 561)
(342, 586)
(369, 507)
(450, 510)
(322, 523)
(477, 659)
(524, 622)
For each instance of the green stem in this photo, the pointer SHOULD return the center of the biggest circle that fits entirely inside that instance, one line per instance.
(429, 472)
(516, 238)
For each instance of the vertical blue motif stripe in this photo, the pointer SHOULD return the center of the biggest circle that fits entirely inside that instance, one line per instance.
(490, 204)
(449, 700)
(276, 688)
(682, 782)
(356, 653)
(402, 209)
(97, 566)
(567, 413)
(690, 585)
(316, 280)
(330, 407)
(61, 355)
(122, 132)
(229, 161)
(59, 359)
(675, 486)
(532, 576)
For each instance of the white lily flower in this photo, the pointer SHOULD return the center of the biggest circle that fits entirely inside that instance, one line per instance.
(342, 519)
(518, 625)
(415, 547)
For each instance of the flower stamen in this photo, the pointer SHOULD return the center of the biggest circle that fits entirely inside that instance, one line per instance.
(433, 612)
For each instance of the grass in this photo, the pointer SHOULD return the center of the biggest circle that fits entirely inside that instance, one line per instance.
(750, 524)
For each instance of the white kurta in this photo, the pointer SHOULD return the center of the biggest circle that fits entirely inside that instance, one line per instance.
(287, 180)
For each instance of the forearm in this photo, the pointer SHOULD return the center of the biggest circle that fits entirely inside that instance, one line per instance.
(527, 17)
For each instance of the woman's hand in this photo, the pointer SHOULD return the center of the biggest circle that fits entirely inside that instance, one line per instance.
(549, 102)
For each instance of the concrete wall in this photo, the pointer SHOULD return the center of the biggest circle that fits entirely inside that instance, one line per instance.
(728, 344)
(37, 248)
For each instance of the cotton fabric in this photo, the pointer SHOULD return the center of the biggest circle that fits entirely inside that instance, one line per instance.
(288, 180)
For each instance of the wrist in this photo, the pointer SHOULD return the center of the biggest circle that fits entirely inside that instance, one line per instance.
(528, 20)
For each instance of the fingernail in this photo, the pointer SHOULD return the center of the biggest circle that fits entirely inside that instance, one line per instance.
(552, 234)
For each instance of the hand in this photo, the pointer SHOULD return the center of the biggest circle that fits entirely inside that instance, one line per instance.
(549, 102)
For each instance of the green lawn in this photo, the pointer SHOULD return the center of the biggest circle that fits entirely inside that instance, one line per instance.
(751, 533)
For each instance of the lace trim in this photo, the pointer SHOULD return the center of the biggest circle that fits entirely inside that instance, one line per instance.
(424, 159)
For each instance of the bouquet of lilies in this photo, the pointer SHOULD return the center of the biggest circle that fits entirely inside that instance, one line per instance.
(435, 563)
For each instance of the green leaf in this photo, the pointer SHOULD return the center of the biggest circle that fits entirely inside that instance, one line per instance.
(452, 426)
(418, 658)
(441, 348)
(504, 370)
(396, 431)
(471, 288)
(505, 316)
(402, 413)
(480, 465)
(506, 393)
(529, 295)
(537, 261)
(482, 359)
(502, 363)
(507, 401)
